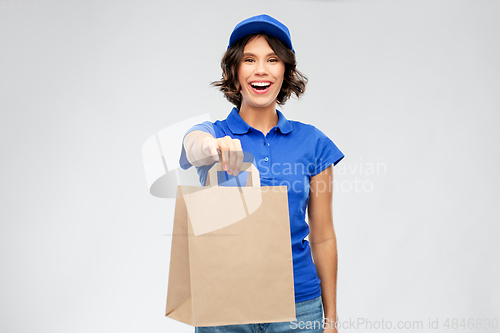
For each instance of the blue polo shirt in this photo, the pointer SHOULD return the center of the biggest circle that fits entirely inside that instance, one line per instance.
(290, 154)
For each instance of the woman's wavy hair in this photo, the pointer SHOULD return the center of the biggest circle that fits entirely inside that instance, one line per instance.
(294, 82)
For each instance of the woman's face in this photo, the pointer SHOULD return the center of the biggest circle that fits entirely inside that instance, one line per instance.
(260, 74)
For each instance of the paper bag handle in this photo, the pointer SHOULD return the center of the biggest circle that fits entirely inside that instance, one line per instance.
(253, 174)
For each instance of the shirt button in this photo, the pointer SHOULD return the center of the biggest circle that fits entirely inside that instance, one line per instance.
(266, 159)
(268, 144)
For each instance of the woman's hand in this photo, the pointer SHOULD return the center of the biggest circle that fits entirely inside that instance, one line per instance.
(227, 149)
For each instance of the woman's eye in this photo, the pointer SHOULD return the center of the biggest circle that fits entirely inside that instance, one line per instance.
(248, 60)
(273, 60)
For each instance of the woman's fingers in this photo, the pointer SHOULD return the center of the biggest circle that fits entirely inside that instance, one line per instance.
(232, 154)
(232, 158)
(239, 157)
(236, 157)
(225, 150)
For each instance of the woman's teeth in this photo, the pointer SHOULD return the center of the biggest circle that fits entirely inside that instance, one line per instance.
(260, 85)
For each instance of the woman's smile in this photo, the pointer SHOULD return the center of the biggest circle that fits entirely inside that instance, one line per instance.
(260, 87)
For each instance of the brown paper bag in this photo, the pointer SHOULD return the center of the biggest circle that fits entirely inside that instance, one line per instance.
(231, 258)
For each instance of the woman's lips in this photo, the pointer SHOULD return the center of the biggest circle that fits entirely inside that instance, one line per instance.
(260, 91)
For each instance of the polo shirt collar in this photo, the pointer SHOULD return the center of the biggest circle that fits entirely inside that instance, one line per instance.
(238, 126)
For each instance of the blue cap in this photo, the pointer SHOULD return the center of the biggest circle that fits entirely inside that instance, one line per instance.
(261, 23)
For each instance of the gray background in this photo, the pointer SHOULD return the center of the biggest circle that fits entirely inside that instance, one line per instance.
(410, 87)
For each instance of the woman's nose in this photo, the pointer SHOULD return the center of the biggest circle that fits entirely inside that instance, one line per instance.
(261, 68)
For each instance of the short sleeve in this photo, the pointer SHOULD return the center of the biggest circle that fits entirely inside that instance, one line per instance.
(326, 152)
(205, 126)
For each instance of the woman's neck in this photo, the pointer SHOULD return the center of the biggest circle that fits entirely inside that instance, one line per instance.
(262, 119)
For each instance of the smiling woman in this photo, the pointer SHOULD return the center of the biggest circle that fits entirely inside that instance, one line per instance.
(258, 73)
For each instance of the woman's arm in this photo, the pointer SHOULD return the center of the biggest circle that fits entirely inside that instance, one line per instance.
(323, 241)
